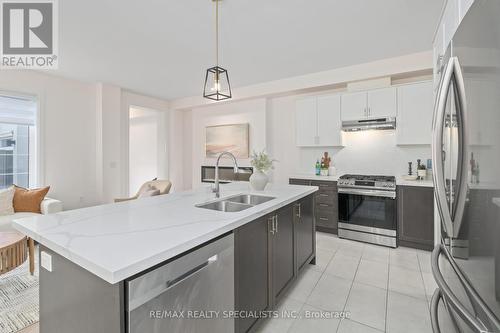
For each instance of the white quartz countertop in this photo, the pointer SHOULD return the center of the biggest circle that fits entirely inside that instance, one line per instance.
(117, 241)
(400, 181)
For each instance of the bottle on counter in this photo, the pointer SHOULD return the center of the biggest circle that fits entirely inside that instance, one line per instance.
(318, 168)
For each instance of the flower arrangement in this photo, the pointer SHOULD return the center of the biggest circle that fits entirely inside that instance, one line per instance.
(325, 161)
(261, 161)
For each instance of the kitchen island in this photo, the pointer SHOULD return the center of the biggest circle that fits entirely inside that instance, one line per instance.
(91, 256)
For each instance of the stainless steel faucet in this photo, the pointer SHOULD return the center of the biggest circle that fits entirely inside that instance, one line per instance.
(216, 188)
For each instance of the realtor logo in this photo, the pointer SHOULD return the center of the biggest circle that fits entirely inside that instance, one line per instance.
(29, 34)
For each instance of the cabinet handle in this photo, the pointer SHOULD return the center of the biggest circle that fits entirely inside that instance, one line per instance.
(323, 218)
(323, 195)
(270, 222)
(369, 111)
(298, 210)
(276, 219)
(324, 205)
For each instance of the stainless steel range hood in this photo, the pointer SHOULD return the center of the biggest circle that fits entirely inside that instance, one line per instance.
(369, 124)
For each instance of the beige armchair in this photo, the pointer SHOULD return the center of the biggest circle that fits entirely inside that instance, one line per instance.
(152, 187)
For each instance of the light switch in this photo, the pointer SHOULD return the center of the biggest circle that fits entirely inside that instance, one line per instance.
(46, 261)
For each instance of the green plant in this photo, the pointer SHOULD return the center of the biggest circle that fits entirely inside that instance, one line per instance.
(261, 161)
(421, 167)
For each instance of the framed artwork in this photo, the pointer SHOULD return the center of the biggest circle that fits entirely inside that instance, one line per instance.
(232, 138)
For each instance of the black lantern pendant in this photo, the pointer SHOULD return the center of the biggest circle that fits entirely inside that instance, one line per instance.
(217, 86)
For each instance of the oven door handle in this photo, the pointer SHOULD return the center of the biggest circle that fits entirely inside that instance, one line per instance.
(371, 193)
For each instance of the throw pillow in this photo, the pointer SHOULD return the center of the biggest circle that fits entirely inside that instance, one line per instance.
(6, 198)
(29, 200)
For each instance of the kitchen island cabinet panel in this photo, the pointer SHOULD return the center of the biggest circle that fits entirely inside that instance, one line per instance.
(252, 288)
(270, 253)
(283, 264)
(305, 231)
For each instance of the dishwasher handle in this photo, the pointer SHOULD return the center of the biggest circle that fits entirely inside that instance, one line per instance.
(148, 295)
(154, 283)
(172, 283)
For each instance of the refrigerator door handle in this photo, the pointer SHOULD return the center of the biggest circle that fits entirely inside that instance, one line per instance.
(453, 301)
(437, 147)
(452, 219)
(461, 192)
(434, 309)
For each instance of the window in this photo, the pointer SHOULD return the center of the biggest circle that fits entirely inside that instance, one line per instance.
(17, 141)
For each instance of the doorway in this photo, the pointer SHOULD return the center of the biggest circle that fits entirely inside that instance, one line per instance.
(145, 148)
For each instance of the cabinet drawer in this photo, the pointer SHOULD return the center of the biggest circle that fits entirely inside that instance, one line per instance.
(326, 220)
(327, 208)
(326, 197)
(294, 181)
(325, 186)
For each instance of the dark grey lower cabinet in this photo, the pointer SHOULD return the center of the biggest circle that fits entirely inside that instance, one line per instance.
(74, 300)
(326, 203)
(269, 254)
(283, 259)
(252, 287)
(305, 240)
(416, 217)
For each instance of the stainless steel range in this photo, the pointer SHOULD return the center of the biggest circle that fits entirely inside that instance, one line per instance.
(367, 209)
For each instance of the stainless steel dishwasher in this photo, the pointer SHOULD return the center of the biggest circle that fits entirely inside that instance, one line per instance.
(189, 294)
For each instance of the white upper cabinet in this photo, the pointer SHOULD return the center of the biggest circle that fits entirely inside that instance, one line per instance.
(415, 112)
(372, 104)
(382, 103)
(317, 121)
(354, 106)
(306, 123)
(329, 124)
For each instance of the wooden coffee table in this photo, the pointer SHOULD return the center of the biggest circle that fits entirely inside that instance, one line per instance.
(14, 249)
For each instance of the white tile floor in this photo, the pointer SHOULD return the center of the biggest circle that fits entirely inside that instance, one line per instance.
(384, 290)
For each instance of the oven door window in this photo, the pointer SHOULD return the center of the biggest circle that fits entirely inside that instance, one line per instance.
(368, 211)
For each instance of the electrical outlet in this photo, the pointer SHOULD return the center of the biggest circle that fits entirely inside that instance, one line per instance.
(46, 261)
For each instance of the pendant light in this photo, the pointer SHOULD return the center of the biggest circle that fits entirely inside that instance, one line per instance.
(217, 85)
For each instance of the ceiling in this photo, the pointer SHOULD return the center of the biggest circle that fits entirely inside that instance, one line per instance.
(162, 48)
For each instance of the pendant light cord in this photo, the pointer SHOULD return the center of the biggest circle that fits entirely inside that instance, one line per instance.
(217, 32)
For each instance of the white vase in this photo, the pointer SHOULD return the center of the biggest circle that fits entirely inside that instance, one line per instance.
(422, 173)
(258, 180)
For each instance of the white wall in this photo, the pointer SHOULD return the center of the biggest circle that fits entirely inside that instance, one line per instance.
(252, 112)
(112, 160)
(67, 133)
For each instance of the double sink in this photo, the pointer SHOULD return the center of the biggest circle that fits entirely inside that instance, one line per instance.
(236, 203)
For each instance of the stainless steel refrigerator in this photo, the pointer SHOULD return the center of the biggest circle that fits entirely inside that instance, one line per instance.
(466, 155)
